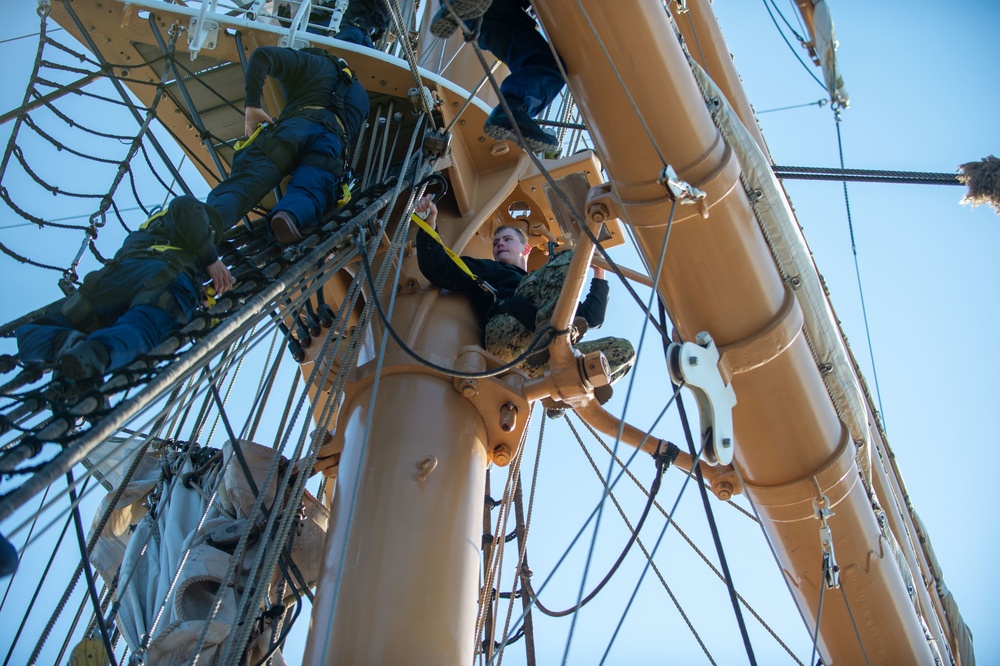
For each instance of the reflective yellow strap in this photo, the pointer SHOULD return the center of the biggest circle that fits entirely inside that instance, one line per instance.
(240, 145)
(454, 257)
(153, 217)
(345, 195)
(164, 248)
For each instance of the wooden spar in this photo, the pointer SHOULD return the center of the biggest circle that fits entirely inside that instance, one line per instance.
(719, 277)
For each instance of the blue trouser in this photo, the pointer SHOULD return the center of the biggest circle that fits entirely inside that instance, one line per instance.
(512, 36)
(121, 298)
(307, 150)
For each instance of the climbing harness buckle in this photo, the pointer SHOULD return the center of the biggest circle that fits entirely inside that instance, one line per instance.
(696, 364)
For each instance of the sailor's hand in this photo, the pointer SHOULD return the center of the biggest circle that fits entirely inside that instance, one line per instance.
(426, 209)
(222, 279)
(598, 272)
(254, 116)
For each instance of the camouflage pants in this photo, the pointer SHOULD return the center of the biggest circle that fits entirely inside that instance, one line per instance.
(507, 338)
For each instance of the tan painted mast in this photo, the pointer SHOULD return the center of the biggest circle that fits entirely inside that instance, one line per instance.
(431, 438)
(719, 277)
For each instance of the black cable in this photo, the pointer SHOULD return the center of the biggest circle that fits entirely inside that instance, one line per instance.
(792, 48)
(88, 574)
(785, 21)
(533, 347)
(866, 175)
(723, 564)
(662, 462)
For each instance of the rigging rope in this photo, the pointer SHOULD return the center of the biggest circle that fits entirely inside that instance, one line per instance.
(791, 48)
(864, 175)
(857, 270)
(661, 463)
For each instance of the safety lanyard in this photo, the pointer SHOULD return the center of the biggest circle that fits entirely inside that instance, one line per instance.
(241, 144)
(483, 284)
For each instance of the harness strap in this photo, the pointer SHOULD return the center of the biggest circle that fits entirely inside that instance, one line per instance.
(152, 218)
(483, 284)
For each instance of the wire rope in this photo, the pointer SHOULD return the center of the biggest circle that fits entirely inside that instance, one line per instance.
(857, 270)
(791, 48)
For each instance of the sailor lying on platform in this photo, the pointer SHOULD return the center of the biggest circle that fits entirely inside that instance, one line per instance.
(324, 108)
(129, 306)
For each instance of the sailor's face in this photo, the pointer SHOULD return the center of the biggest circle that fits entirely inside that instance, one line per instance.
(508, 247)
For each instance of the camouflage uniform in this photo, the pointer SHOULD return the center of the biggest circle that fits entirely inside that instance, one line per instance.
(507, 338)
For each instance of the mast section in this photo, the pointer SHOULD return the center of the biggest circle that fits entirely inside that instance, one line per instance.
(635, 88)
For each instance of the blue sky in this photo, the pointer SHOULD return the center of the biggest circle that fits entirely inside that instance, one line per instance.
(924, 93)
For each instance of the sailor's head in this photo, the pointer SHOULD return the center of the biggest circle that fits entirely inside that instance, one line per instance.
(510, 246)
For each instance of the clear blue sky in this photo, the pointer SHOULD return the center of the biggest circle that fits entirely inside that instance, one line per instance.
(924, 90)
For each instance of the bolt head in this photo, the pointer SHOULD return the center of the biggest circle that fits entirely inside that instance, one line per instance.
(501, 455)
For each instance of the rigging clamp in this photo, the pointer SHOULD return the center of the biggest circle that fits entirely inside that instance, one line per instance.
(696, 365)
(831, 570)
(682, 191)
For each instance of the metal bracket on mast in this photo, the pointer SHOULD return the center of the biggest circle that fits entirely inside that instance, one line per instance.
(683, 191)
(696, 364)
(203, 33)
(831, 570)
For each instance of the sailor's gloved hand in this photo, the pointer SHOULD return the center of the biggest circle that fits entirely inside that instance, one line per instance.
(222, 279)
(253, 116)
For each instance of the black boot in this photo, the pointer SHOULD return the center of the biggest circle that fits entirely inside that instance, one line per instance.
(498, 126)
(444, 23)
(85, 360)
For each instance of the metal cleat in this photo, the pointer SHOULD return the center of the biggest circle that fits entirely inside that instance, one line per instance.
(697, 366)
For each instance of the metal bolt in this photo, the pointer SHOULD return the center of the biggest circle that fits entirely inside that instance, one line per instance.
(469, 388)
(727, 443)
(692, 360)
(598, 212)
(501, 455)
(724, 491)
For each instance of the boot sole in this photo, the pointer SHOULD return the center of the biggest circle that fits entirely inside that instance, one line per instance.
(504, 134)
(444, 23)
(286, 231)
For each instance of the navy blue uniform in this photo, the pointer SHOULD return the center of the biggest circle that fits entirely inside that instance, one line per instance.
(150, 288)
(510, 34)
(321, 118)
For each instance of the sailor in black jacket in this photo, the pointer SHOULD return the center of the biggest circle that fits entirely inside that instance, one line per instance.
(524, 301)
(128, 307)
(325, 107)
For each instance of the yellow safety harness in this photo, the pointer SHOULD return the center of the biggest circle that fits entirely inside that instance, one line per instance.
(159, 248)
(483, 284)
